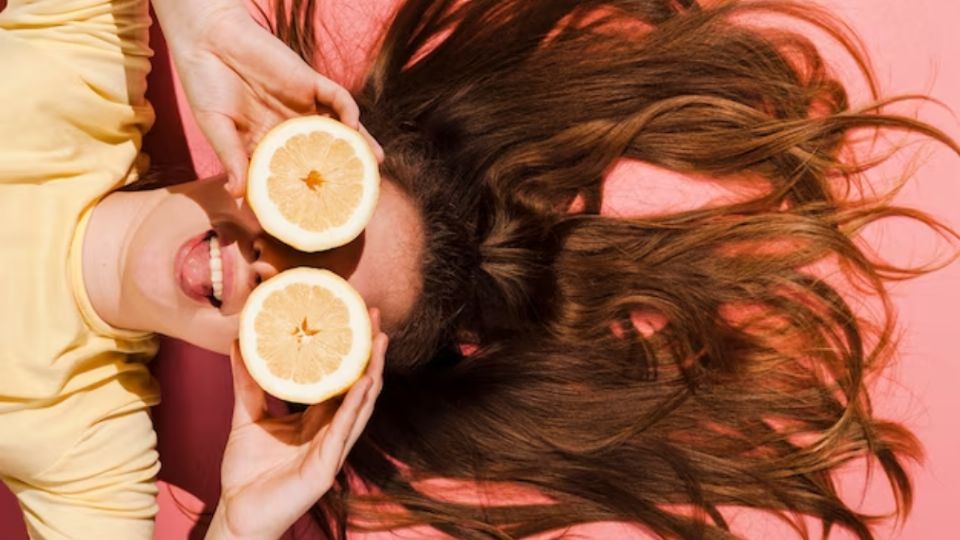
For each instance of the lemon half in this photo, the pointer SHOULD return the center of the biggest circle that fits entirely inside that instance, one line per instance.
(305, 335)
(313, 183)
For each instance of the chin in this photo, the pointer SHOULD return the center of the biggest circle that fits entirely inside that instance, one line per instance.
(211, 331)
(217, 344)
(201, 326)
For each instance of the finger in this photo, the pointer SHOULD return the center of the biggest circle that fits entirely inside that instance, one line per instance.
(380, 342)
(249, 400)
(331, 94)
(378, 350)
(375, 369)
(319, 415)
(374, 314)
(374, 145)
(375, 372)
(258, 119)
(222, 133)
(324, 462)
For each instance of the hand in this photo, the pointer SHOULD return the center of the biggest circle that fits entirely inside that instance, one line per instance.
(241, 81)
(275, 468)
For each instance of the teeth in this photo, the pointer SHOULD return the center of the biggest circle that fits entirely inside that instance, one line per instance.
(216, 268)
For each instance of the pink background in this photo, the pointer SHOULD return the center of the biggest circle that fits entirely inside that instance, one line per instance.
(914, 47)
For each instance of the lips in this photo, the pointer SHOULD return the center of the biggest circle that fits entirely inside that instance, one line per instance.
(192, 267)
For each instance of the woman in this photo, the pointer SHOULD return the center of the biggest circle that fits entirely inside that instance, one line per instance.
(737, 355)
(738, 372)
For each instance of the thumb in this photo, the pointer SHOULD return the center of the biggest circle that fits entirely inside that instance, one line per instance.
(332, 95)
(249, 400)
(221, 132)
(236, 169)
(236, 179)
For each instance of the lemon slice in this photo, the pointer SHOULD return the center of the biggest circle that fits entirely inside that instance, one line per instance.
(313, 183)
(305, 335)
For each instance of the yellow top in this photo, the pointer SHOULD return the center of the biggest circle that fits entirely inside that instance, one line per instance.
(76, 443)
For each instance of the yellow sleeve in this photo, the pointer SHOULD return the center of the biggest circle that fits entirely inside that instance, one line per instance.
(74, 78)
(102, 488)
(104, 41)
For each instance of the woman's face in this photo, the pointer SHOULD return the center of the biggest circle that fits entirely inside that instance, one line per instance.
(167, 270)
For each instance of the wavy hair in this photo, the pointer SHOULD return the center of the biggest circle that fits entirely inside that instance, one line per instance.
(498, 117)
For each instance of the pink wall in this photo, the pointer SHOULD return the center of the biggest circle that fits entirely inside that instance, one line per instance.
(914, 47)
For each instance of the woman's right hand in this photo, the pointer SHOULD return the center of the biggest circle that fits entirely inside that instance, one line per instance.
(275, 468)
(241, 80)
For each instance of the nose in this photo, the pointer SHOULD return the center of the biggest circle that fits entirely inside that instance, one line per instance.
(270, 257)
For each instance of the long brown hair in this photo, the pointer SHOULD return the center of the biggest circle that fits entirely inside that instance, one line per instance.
(496, 115)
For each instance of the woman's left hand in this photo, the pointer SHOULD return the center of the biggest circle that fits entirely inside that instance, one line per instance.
(241, 80)
(275, 468)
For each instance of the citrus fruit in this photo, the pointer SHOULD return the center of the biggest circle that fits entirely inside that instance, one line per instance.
(313, 183)
(305, 335)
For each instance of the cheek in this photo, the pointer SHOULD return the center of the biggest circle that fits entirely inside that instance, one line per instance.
(148, 274)
(368, 290)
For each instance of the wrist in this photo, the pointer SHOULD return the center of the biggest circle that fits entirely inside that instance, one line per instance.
(184, 22)
(220, 526)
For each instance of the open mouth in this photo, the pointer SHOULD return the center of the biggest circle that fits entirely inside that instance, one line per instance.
(199, 269)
